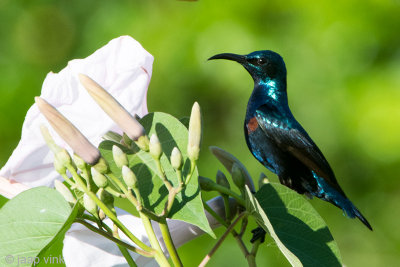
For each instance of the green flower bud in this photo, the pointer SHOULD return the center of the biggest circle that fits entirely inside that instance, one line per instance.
(79, 162)
(221, 180)
(90, 205)
(99, 179)
(155, 147)
(64, 191)
(237, 176)
(101, 166)
(59, 167)
(106, 197)
(193, 148)
(262, 180)
(129, 177)
(49, 140)
(176, 159)
(63, 157)
(143, 143)
(119, 156)
(206, 184)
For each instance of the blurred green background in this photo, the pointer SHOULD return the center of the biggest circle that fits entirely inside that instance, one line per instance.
(343, 60)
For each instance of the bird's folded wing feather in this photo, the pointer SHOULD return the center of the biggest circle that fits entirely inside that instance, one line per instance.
(294, 140)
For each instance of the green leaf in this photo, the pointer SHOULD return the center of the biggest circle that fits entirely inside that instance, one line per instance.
(29, 222)
(172, 133)
(297, 228)
(47, 254)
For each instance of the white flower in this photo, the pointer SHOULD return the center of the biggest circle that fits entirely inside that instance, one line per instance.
(123, 67)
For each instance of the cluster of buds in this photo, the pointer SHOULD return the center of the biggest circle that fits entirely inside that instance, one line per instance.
(89, 171)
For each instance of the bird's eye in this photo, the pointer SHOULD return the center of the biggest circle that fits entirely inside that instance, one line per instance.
(261, 61)
(258, 61)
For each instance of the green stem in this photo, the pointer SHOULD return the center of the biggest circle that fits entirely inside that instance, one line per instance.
(115, 240)
(66, 178)
(192, 168)
(227, 191)
(128, 194)
(159, 256)
(162, 173)
(222, 239)
(238, 237)
(108, 212)
(169, 244)
(227, 208)
(123, 250)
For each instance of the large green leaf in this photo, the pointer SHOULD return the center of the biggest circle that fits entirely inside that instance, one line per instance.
(172, 133)
(28, 224)
(297, 228)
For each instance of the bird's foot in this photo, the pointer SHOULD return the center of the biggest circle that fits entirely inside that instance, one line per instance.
(258, 234)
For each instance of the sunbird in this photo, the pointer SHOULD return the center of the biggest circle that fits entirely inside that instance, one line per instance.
(276, 138)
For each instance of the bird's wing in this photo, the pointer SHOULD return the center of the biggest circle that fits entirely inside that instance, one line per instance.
(289, 136)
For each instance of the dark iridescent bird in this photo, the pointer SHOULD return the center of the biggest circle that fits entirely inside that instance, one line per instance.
(278, 141)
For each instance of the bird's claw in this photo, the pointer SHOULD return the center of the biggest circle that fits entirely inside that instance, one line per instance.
(258, 234)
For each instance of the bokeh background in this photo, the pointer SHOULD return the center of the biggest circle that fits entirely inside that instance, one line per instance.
(343, 60)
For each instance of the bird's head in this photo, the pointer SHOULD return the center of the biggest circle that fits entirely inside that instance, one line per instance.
(262, 65)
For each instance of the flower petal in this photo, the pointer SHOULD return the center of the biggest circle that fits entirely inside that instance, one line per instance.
(123, 67)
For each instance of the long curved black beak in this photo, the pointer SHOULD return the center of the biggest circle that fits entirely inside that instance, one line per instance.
(229, 56)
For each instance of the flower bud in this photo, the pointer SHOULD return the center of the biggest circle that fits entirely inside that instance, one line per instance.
(176, 159)
(64, 191)
(49, 139)
(90, 205)
(59, 167)
(106, 197)
(194, 139)
(63, 157)
(99, 179)
(101, 166)
(221, 180)
(143, 143)
(206, 184)
(68, 132)
(79, 162)
(237, 176)
(155, 147)
(129, 177)
(119, 156)
(113, 108)
(102, 215)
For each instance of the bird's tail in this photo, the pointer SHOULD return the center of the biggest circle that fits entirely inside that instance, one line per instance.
(353, 212)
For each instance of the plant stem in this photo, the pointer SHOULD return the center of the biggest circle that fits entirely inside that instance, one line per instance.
(128, 194)
(115, 240)
(68, 180)
(222, 239)
(114, 232)
(238, 237)
(162, 173)
(108, 212)
(159, 256)
(123, 250)
(227, 191)
(192, 168)
(169, 244)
